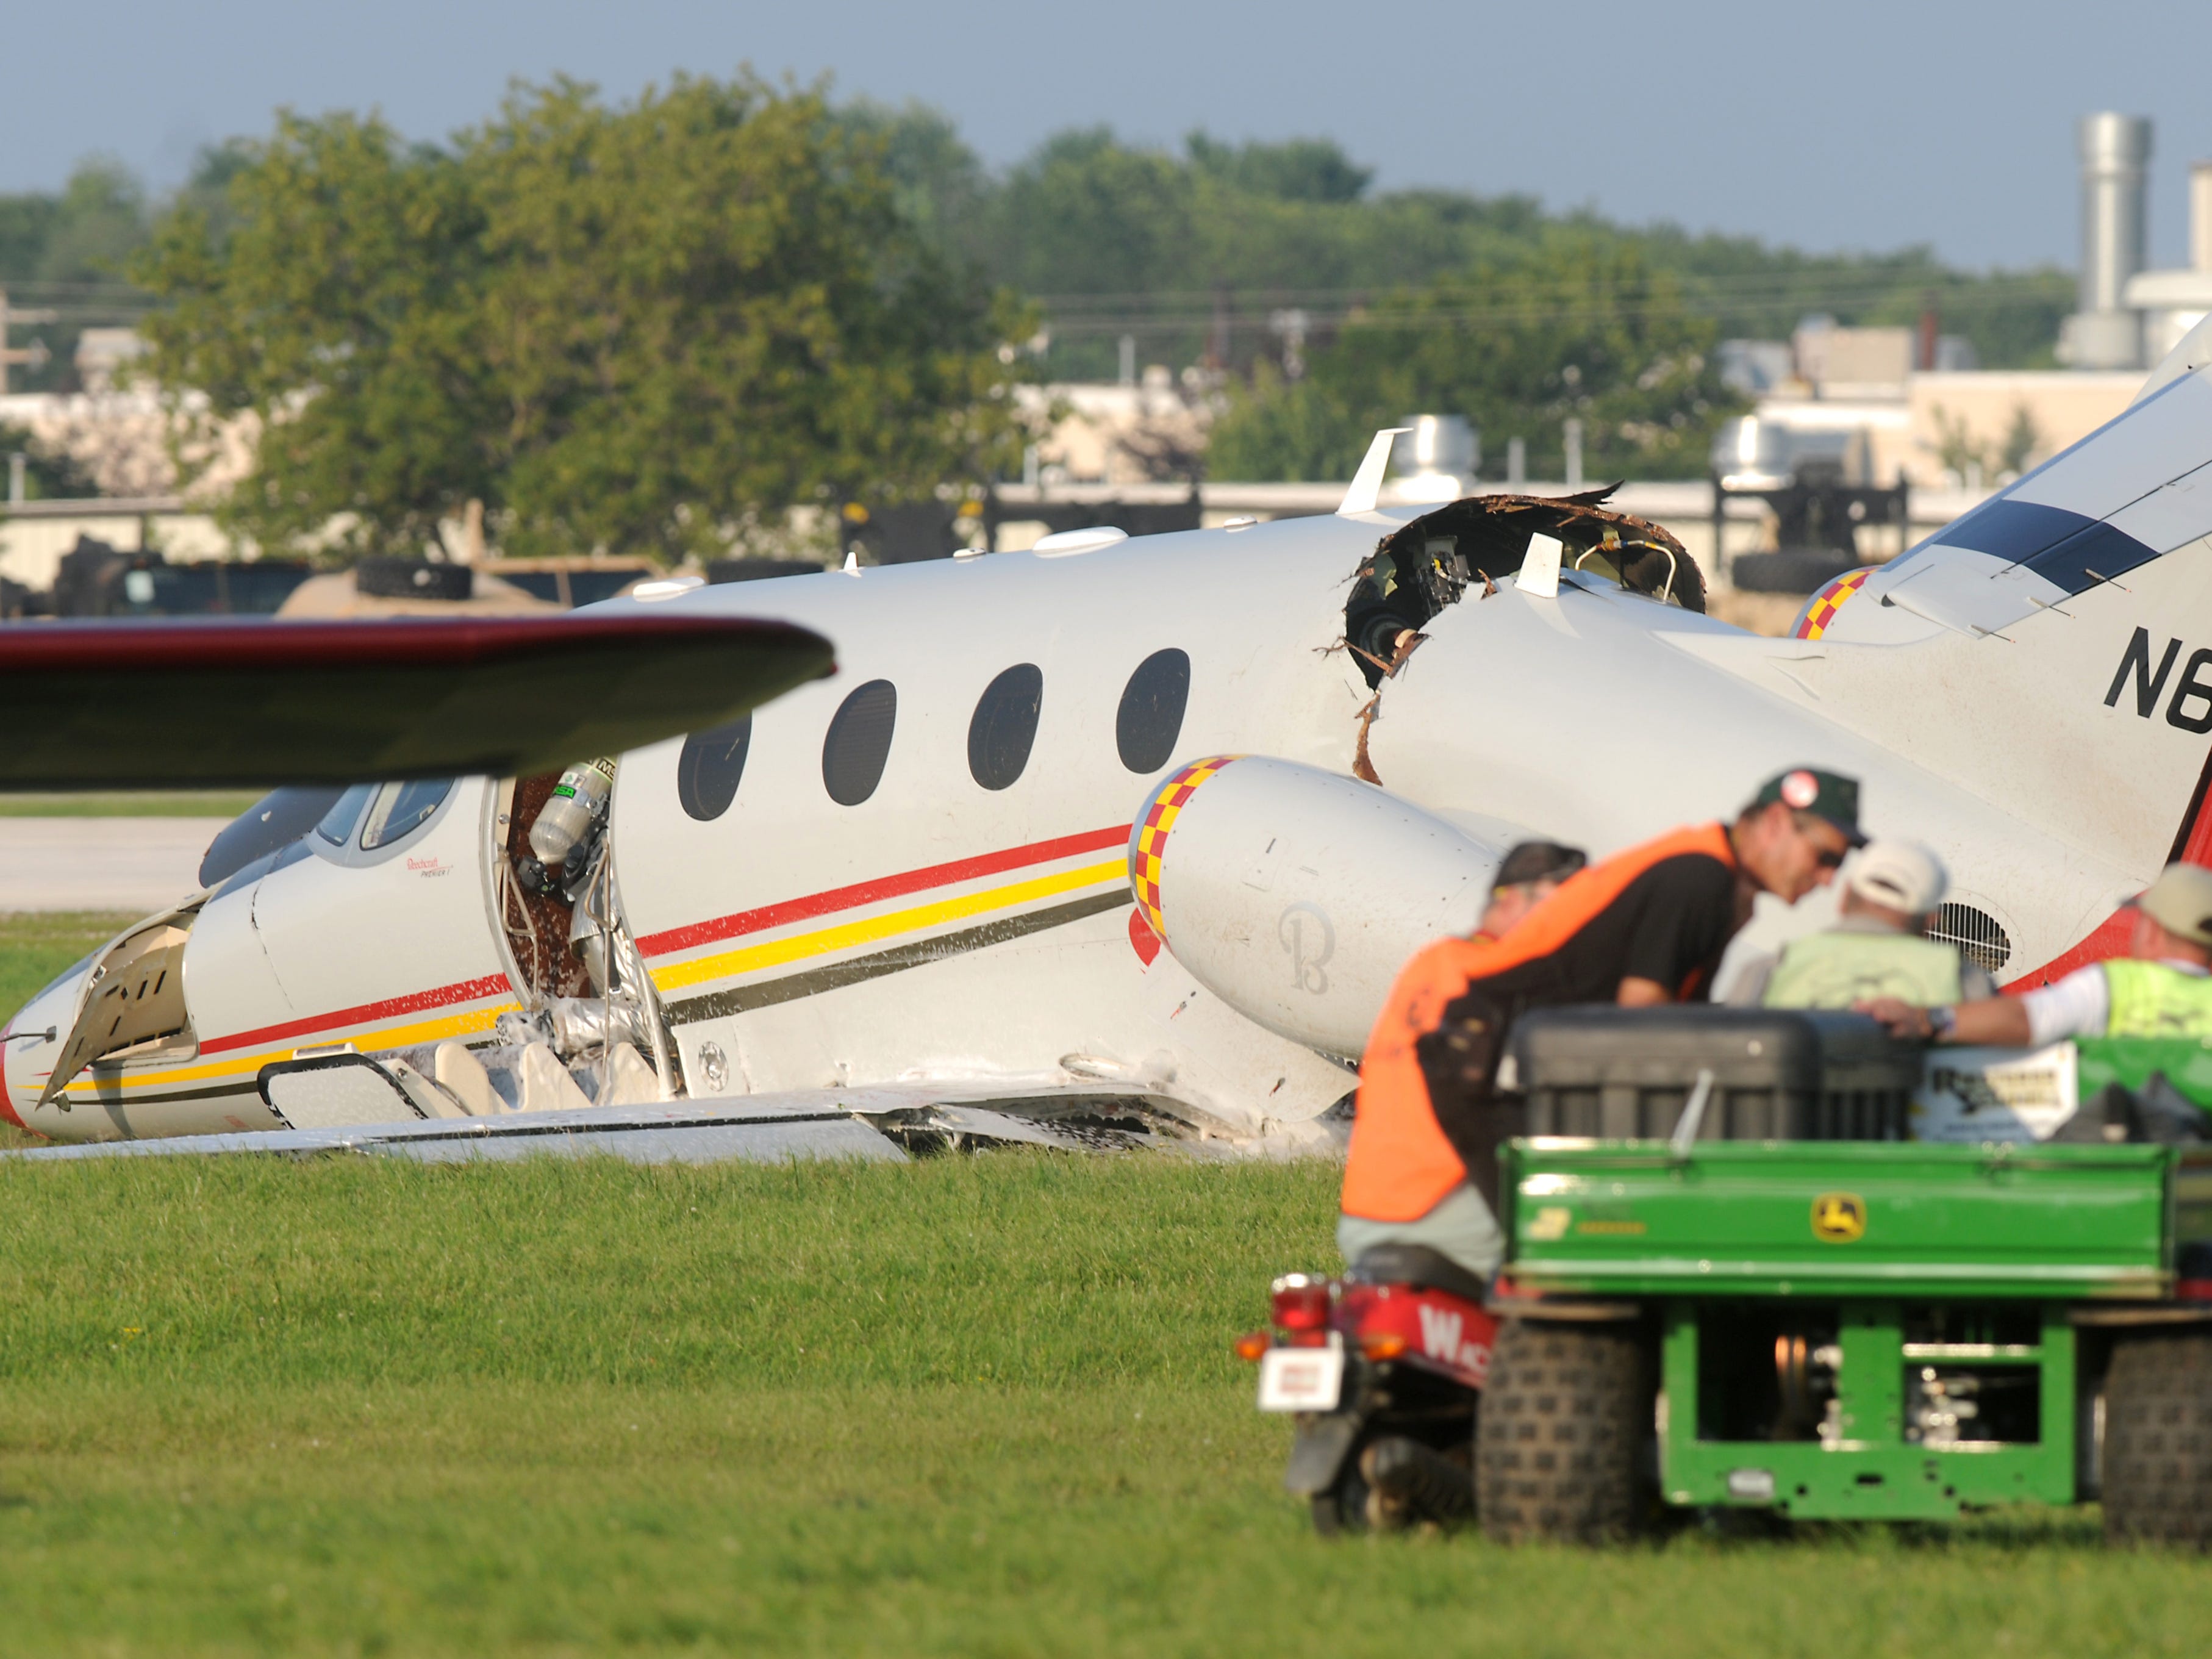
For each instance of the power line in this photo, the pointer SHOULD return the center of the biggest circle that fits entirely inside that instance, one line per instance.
(1836, 285)
(1394, 319)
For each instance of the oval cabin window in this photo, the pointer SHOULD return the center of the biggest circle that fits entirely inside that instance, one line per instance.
(1004, 727)
(860, 743)
(1151, 718)
(707, 771)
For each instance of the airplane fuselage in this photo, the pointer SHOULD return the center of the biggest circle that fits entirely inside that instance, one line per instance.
(878, 888)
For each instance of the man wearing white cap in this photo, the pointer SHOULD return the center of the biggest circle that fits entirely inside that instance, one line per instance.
(2161, 988)
(1877, 949)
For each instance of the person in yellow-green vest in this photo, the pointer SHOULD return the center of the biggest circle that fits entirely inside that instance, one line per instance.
(1878, 947)
(2161, 988)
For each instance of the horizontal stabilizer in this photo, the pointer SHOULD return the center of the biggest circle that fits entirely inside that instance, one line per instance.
(207, 704)
(2136, 489)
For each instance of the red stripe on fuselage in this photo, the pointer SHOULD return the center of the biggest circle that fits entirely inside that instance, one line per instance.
(885, 887)
(474, 990)
(2110, 939)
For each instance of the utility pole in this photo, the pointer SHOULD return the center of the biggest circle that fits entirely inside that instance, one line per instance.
(32, 356)
(1291, 326)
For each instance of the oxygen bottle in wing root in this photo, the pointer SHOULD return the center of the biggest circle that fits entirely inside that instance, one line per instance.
(567, 819)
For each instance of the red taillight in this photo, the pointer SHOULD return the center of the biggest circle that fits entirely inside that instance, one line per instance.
(1254, 1345)
(1300, 1302)
(2193, 1290)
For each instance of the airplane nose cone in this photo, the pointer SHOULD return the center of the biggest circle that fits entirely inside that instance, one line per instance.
(28, 1045)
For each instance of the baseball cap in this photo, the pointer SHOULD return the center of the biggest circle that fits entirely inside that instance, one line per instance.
(1538, 861)
(2180, 900)
(1828, 795)
(1898, 875)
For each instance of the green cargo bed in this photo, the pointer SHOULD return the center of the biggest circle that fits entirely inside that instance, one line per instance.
(1842, 1219)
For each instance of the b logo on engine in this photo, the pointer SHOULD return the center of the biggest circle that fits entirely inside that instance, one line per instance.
(1309, 936)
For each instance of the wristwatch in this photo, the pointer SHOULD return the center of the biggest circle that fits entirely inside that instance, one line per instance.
(1941, 1022)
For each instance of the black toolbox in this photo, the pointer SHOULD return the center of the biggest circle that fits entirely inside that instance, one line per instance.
(1608, 1074)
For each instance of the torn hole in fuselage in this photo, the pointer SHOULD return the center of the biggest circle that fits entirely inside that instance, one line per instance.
(1434, 561)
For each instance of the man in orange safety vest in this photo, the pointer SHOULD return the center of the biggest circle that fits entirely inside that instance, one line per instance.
(1646, 926)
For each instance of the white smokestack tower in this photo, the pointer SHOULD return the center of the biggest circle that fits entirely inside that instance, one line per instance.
(2105, 333)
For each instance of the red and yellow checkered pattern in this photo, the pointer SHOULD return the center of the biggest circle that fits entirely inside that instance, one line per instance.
(1153, 834)
(1821, 608)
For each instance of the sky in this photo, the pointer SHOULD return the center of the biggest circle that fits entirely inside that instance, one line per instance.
(1867, 126)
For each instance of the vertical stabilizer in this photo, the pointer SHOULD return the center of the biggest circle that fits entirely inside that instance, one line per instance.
(2056, 641)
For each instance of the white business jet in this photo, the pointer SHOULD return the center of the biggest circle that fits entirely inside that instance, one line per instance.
(1140, 829)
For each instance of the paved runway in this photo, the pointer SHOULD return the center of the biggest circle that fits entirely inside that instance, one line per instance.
(100, 864)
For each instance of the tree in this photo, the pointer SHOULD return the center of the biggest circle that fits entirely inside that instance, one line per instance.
(48, 474)
(707, 306)
(70, 252)
(98, 224)
(1579, 326)
(339, 310)
(635, 328)
(1300, 170)
(1288, 432)
(938, 183)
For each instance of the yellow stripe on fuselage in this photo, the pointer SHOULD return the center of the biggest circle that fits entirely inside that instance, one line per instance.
(728, 963)
(870, 930)
(396, 1036)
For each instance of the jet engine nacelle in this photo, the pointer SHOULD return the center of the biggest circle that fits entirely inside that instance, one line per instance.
(1295, 894)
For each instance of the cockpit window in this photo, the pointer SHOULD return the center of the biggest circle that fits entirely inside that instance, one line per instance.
(1149, 719)
(1005, 725)
(274, 822)
(400, 808)
(337, 825)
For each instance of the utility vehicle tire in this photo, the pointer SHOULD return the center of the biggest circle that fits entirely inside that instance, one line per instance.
(1342, 1510)
(2158, 1440)
(1411, 1484)
(1557, 1445)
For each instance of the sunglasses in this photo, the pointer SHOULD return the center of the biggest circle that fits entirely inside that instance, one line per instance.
(1827, 858)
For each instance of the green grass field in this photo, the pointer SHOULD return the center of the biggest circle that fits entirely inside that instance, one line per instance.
(961, 1407)
(139, 804)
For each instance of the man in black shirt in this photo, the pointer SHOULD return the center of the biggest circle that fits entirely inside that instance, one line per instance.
(1646, 926)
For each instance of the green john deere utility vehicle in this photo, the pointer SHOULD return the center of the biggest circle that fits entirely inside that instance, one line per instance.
(1829, 1328)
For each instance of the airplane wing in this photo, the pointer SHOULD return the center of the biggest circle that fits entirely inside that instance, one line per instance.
(238, 703)
(879, 1122)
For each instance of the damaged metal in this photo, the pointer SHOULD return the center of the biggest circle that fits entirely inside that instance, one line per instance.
(1362, 767)
(1416, 571)
(1428, 564)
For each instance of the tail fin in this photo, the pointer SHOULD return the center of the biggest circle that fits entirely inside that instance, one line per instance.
(2052, 650)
